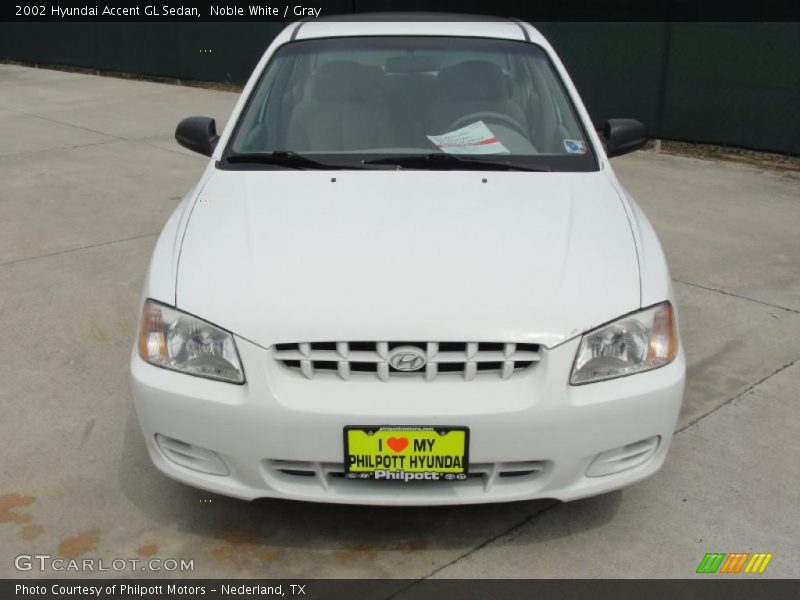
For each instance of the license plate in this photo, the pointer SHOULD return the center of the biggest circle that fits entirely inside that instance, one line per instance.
(405, 453)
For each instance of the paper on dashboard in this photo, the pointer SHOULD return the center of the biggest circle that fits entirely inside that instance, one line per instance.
(476, 138)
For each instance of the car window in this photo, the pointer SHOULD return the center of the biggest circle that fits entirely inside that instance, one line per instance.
(361, 98)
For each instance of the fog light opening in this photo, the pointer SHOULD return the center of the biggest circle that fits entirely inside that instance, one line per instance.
(191, 456)
(623, 458)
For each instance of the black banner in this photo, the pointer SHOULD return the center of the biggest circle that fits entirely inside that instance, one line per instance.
(732, 587)
(291, 10)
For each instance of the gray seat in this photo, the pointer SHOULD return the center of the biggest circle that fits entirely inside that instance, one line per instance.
(469, 87)
(344, 111)
(409, 96)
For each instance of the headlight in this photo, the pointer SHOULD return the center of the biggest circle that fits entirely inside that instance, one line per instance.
(633, 344)
(174, 340)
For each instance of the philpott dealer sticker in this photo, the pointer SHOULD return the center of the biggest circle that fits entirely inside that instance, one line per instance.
(406, 453)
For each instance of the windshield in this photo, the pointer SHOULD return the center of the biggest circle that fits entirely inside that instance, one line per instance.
(383, 101)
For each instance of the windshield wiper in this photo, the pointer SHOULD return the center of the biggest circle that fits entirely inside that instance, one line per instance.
(286, 158)
(443, 161)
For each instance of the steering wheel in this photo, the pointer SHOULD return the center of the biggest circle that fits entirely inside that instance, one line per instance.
(489, 115)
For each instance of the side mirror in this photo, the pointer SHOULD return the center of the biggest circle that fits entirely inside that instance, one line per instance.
(622, 136)
(198, 134)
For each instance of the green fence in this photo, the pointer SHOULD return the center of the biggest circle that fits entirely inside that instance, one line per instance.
(724, 83)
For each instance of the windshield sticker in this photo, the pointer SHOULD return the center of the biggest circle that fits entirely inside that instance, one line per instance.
(476, 138)
(575, 146)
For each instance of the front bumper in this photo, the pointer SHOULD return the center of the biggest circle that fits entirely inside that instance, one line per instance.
(280, 435)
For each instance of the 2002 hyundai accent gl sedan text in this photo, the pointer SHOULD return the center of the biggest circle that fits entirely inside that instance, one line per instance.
(408, 275)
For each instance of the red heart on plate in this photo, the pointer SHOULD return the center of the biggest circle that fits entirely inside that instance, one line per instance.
(397, 444)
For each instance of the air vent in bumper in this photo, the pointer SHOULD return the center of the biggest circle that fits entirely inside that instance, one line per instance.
(330, 476)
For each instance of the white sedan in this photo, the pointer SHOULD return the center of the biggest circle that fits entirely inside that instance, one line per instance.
(408, 275)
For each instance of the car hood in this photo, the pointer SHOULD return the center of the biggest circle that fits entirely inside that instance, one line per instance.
(294, 256)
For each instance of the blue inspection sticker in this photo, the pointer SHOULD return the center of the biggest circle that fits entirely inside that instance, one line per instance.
(575, 146)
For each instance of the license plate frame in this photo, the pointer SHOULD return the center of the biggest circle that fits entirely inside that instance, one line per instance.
(409, 462)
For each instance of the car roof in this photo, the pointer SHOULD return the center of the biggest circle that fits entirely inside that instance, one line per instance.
(416, 23)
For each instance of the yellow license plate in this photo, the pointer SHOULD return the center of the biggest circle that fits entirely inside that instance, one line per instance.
(394, 453)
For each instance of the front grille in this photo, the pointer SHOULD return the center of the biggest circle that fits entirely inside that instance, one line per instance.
(376, 359)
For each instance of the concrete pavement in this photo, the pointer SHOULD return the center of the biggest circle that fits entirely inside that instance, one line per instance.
(90, 172)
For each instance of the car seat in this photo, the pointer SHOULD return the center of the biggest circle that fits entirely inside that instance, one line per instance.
(344, 111)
